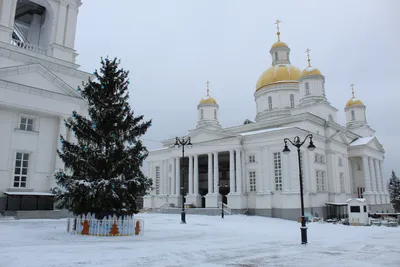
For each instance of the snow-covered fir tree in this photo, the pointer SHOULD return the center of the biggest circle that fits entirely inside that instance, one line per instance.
(394, 190)
(103, 174)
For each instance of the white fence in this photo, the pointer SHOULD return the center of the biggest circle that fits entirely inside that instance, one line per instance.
(108, 226)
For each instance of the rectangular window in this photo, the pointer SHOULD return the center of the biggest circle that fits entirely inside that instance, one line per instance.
(170, 168)
(292, 101)
(252, 181)
(201, 114)
(321, 185)
(354, 208)
(341, 177)
(21, 169)
(26, 124)
(319, 158)
(340, 161)
(269, 103)
(278, 171)
(360, 192)
(157, 180)
(252, 158)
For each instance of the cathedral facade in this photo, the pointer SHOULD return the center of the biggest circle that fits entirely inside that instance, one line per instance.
(245, 167)
(38, 81)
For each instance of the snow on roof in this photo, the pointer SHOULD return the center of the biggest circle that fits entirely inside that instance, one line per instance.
(28, 193)
(362, 141)
(336, 203)
(356, 199)
(263, 131)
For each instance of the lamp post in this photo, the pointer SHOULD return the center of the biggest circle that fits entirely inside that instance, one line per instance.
(297, 143)
(182, 143)
(222, 198)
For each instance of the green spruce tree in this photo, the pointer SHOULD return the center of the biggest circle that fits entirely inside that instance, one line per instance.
(103, 174)
(394, 190)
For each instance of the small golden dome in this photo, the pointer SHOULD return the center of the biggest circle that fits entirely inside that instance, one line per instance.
(207, 100)
(310, 71)
(353, 102)
(279, 44)
(278, 74)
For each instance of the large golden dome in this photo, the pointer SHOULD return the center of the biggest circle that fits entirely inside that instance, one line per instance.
(207, 100)
(278, 74)
(310, 71)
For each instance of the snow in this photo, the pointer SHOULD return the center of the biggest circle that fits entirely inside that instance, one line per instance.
(264, 131)
(205, 241)
(362, 141)
(28, 193)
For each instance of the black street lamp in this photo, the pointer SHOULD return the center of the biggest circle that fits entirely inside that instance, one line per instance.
(222, 199)
(182, 143)
(297, 143)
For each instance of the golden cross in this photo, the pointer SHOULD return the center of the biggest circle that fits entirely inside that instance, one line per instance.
(277, 29)
(208, 88)
(352, 89)
(308, 57)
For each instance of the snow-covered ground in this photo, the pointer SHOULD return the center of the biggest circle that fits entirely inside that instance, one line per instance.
(205, 241)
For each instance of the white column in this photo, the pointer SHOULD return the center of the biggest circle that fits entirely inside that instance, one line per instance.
(244, 171)
(384, 184)
(216, 174)
(232, 171)
(351, 184)
(166, 178)
(7, 14)
(62, 130)
(238, 172)
(178, 176)
(372, 174)
(259, 175)
(190, 175)
(61, 23)
(367, 179)
(173, 180)
(267, 167)
(196, 174)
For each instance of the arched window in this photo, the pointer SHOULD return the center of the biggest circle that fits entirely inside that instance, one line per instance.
(353, 115)
(307, 89)
(292, 100)
(276, 55)
(201, 114)
(269, 103)
(215, 114)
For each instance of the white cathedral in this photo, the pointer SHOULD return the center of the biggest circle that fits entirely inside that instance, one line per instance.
(244, 167)
(38, 81)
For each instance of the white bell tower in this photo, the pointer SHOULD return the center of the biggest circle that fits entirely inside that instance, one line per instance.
(42, 26)
(207, 112)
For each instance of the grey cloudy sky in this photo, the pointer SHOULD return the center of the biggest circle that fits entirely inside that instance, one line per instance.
(171, 48)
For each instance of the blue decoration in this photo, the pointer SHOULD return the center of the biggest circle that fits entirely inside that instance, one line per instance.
(129, 82)
(150, 124)
(94, 125)
(106, 59)
(77, 89)
(102, 87)
(85, 148)
(94, 72)
(140, 156)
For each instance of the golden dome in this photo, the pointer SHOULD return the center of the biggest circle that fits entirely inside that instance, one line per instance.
(278, 74)
(279, 44)
(207, 100)
(353, 102)
(310, 71)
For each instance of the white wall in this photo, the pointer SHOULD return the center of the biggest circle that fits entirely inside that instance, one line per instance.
(40, 143)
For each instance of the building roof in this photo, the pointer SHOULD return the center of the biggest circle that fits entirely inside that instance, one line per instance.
(362, 141)
(28, 193)
(263, 131)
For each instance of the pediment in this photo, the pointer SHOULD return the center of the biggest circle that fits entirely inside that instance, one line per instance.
(35, 75)
(340, 137)
(203, 135)
(370, 142)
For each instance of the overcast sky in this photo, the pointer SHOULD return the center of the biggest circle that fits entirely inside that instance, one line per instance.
(172, 47)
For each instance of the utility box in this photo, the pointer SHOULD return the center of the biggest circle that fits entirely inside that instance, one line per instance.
(358, 211)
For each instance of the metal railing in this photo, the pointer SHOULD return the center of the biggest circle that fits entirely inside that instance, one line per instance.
(29, 47)
(226, 208)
